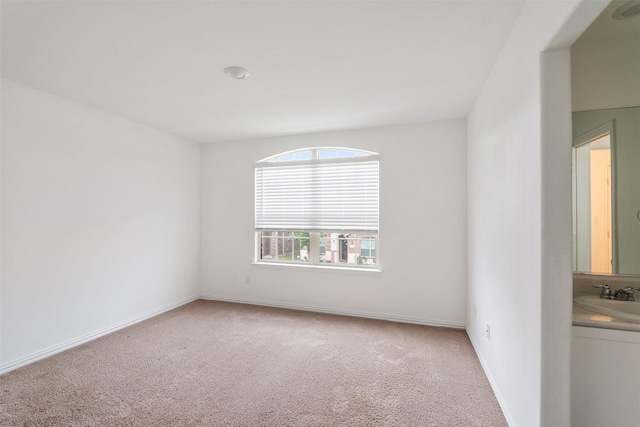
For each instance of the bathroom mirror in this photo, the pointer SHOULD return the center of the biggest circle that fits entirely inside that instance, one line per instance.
(606, 191)
(605, 92)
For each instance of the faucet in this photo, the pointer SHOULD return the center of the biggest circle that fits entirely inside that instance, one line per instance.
(628, 291)
(618, 294)
(606, 291)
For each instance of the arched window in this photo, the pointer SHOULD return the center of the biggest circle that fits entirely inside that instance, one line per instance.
(318, 206)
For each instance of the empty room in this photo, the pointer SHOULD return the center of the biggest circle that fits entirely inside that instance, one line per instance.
(310, 213)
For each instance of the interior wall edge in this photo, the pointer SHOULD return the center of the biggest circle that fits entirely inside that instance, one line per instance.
(43, 354)
(556, 248)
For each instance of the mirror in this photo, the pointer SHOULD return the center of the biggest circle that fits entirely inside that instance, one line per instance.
(605, 91)
(606, 191)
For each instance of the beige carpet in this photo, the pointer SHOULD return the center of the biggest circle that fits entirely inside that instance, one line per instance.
(221, 364)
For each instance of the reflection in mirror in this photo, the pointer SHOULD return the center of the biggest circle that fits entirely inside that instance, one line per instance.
(592, 198)
(606, 191)
(605, 98)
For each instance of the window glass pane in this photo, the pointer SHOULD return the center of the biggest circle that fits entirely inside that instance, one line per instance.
(327, 154)
(368, 248)
(268, 245)
(347, 249)
(333, 154)
(284, 158)
(303, 155)
(345, 153)
(300, 155)
(330, 255)
(301, 246)
(284, 246)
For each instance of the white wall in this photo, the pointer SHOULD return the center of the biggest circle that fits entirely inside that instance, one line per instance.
(422, 245)
(100, 223)
(605, 73)
(519, 142)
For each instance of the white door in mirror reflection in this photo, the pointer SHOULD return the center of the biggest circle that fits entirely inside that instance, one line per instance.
(593, 202)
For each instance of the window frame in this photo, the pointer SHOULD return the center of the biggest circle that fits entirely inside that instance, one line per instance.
(341, 155)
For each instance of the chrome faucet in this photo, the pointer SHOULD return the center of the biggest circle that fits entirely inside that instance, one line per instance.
(628, 291)
(606, 291)
(624, 294)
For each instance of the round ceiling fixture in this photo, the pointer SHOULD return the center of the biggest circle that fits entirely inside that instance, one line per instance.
(236, 72)
(628, 10)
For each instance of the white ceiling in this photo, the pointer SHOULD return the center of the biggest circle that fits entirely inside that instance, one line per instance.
(315, 65)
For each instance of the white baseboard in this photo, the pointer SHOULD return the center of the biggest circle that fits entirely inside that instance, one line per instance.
(492, 382)
(23, 361)
(352, 313)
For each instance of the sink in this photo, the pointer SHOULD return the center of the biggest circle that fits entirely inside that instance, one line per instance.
(629, 310)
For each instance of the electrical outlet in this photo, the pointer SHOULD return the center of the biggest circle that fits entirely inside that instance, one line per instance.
(488, 331)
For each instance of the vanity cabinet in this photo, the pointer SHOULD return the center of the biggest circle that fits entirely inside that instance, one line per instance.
(605, 377)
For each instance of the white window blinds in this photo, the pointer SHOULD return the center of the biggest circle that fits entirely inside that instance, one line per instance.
(318, 195)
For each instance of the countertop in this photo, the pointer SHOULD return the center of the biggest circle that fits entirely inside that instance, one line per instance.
(584, 317)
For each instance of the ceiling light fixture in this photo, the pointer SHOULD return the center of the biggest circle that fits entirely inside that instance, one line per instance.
(628, 10)
(236, 72)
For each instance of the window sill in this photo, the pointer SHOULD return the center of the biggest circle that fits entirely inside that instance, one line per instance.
(327, 268)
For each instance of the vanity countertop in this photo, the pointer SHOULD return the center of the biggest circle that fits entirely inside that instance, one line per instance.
(585, 317)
